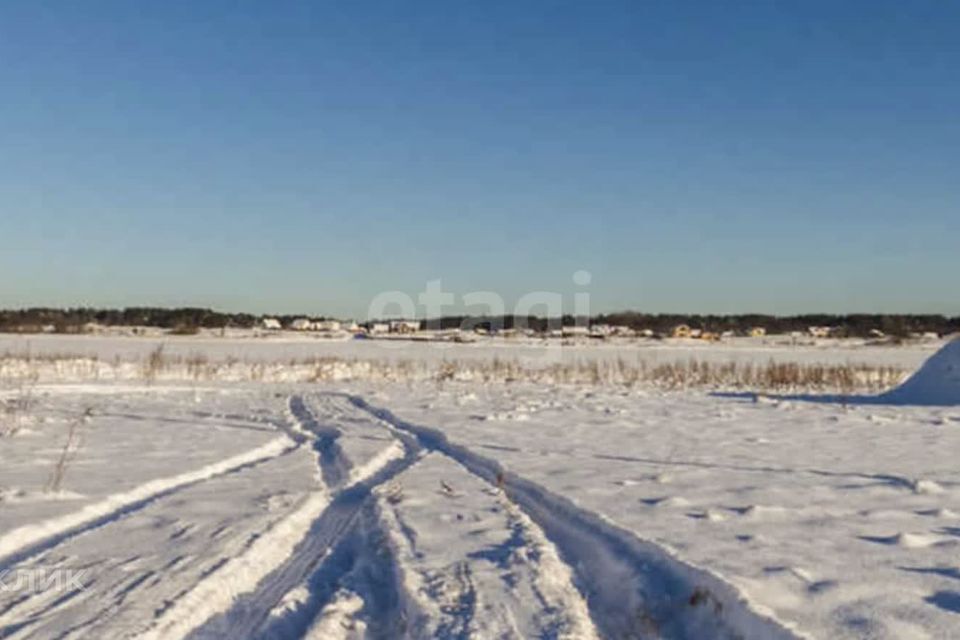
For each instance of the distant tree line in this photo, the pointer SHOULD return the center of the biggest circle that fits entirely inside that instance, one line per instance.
(73, 320)
(184, 319)
(495, 323)
(851, 325)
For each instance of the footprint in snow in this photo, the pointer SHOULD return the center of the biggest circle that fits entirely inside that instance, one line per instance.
(948, 600)
(812, 585)
(709, 515)
(939, 513)
(666, 501)
(911, 540)
(759, 510)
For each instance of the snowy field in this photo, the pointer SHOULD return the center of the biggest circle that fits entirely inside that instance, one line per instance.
(173, 507)
(285, 347)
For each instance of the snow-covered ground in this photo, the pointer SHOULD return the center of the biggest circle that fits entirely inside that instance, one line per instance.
(442, 508)
(290, 347)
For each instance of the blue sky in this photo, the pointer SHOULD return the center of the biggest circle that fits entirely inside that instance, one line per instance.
(304, 156)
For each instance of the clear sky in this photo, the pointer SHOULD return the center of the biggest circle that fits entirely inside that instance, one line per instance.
(304, 156)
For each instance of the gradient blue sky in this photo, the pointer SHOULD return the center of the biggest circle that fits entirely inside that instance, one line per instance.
(303, 156)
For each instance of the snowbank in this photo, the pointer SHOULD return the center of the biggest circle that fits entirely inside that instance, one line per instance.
(936, 383)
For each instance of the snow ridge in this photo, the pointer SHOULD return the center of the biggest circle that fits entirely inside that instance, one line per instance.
(238, 575)
(31, 539)
(937, 382)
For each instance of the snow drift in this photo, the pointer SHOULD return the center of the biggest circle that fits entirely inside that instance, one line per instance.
(937, 382)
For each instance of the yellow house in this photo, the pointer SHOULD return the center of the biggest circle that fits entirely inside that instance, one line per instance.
(681, 331)
(758, 332)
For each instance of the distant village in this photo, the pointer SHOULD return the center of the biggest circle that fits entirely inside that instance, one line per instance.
(880, 328)
(416, 329)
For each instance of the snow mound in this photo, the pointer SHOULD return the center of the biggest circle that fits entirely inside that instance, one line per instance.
(936, 383)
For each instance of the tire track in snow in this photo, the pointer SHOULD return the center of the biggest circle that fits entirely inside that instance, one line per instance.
(635, 589)
(473, 566)
(337, 541)
(156, 490)
(32, 539)
(150, 557)
(237, 575)
(333, 466)
(361, 563)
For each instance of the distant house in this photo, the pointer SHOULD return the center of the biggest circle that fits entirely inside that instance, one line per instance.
(646, 333)
(574, 331)
(270, 324)
(379, 327)
(91, 327)
(876, 333)
(330, 326)
(301, 324)
(404, 326)
(758, 332)
(681, 331)
(602, 330)
(605, 330)
(820, 332)
(696, 333)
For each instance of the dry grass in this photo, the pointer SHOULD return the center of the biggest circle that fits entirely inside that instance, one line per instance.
(154, 364)
(680, 374)
(16, 409)
(68, 453)
(198, 367)
(184, 330)
(684, 374)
